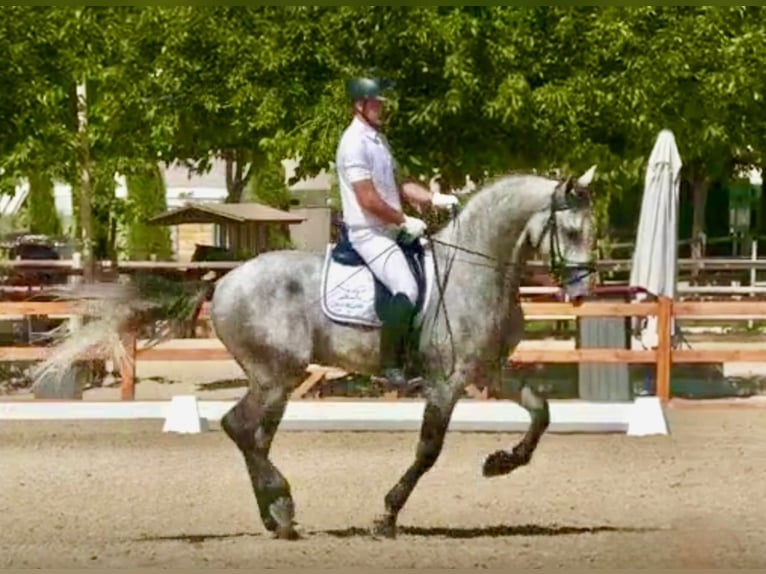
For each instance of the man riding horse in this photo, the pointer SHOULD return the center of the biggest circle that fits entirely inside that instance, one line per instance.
(372, 195)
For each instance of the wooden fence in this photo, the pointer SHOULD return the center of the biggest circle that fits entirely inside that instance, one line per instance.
(74, 266)
(663, 356)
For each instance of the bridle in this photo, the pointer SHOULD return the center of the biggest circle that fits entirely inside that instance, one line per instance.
(575, 196)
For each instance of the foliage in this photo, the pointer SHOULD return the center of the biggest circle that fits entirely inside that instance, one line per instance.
(479, 90)
(267, 186)
(220, 88)
(37, 132)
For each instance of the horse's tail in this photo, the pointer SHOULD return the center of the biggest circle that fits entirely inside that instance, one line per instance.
(110, 309)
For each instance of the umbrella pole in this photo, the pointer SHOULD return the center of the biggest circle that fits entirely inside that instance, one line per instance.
(664, 319)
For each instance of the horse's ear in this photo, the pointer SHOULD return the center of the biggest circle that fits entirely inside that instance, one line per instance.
(587, 177)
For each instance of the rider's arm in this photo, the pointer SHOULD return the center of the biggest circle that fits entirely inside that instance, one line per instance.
(415, 193)
(410, 190)
(359, 173)
(370, 201)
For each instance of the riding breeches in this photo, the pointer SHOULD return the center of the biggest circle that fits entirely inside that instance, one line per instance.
(386, 261)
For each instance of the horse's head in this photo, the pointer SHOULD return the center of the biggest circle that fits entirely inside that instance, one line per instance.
(562, 234)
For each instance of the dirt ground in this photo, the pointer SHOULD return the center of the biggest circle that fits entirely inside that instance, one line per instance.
(123, 494)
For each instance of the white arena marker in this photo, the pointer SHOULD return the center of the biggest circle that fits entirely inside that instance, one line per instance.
(183, 416)
(186, 414)
(647, 417)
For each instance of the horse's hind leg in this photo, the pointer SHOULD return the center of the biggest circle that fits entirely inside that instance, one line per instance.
(502, 461)
(252, 424)
(440, 403)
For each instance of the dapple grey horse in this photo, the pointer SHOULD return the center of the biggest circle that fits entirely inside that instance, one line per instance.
(267, 314)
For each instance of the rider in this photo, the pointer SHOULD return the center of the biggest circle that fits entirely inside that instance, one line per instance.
(371, 197)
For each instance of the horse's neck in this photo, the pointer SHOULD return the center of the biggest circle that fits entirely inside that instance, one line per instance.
(495, 219)
(488, 239)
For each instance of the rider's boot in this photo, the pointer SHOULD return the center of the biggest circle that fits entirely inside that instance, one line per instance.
(395, 339)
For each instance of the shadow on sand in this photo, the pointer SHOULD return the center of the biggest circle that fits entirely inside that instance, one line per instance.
(497, 531)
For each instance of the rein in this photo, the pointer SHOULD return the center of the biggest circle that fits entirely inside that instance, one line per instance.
(559, 265)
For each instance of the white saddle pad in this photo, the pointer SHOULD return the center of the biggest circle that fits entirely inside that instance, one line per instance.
(348, 291)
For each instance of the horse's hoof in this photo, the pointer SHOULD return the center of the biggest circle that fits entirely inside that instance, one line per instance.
(385, 527)
(270, 524)
(282, 513)
(286, 533)
(416, 385)
(500, 463)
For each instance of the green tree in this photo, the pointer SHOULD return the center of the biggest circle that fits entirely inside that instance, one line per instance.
(223, 89)
(42, 216)
(685, 86)
(480, 90)
(267, 186)
(147, 198)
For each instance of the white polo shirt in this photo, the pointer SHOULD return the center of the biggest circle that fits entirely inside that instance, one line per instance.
(363, 153)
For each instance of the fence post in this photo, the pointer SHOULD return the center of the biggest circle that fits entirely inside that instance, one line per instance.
(753, 274)
(128, 366)
(76, 321)
(664, 320)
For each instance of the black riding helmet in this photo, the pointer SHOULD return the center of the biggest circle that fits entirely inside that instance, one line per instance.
(368, 88)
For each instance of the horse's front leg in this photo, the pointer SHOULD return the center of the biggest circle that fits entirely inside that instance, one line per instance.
(440, 403)
(503, 461)
(251, 424)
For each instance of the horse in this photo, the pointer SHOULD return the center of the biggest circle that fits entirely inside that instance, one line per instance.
(271, 314)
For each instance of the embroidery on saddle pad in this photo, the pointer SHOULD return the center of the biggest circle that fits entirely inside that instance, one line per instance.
(348, 293)
(351, 294)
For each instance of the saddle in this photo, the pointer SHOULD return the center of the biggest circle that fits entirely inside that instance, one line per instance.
(350, 291)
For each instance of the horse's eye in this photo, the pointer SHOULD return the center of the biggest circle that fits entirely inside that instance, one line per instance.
(573, 234)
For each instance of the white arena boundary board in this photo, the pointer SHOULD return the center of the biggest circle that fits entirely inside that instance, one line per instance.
(185, 414)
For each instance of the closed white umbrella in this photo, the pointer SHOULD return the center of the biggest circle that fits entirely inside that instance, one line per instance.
(655, 255)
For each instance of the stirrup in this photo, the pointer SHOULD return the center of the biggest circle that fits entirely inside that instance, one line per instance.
(396, 379)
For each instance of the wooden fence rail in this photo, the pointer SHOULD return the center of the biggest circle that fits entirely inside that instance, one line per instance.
(75, 266)
(663, 356)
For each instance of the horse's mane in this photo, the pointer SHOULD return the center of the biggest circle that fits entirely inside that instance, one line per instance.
(476, 199)
(514, 174)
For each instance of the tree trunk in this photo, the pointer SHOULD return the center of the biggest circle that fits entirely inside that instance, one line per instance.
(699, 201)
(86, 222)
(237, 177)
(103, 212)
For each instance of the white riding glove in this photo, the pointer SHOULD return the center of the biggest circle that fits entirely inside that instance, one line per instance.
(413, 227)
(443, 200)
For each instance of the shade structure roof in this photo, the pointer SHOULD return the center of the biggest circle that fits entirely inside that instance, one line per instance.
(225, 213)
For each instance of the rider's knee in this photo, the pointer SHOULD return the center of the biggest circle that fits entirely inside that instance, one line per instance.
(411, 292)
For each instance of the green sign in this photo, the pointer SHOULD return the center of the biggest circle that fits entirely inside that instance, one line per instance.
(741, 195)
(743, 198)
